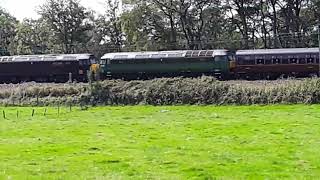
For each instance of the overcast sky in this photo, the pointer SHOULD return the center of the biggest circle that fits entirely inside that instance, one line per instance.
(27, 8)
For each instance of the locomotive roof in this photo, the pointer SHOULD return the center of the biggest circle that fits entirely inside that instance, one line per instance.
(45, 57)
(164, 54)
(278, 51)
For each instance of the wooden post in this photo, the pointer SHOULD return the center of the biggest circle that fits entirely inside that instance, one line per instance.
(32, 113)
(4, 114)
(70, 77)
(45, 112)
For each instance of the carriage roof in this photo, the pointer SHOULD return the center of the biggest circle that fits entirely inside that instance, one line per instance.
(164, 54)
(46, 57)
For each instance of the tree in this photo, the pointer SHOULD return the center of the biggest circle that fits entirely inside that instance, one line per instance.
(110, 25)
(69, 21)
(34, 37)
(7, 31)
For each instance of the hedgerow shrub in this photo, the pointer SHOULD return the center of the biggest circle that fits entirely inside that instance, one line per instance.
(164, 91)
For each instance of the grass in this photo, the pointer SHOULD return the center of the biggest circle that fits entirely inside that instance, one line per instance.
(178, 142)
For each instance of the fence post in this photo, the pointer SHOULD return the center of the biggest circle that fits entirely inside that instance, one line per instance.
(70, 77)
(58, 109)
(4, 114)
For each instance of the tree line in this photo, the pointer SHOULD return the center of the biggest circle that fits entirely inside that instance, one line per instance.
(65, 26)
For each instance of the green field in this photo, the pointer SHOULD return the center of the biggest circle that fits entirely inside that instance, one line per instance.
(145, 142)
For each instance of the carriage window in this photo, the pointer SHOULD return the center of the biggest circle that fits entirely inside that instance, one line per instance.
(260, 61)
(240, 60)
(310, 60)
(54, 63)
(285, 61)
(293, 61)
(245, 60)
(275, 60)
(302, 60)
(317, 59)
(268, 60)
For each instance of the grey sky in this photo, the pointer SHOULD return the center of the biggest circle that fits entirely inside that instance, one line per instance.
(27, 8)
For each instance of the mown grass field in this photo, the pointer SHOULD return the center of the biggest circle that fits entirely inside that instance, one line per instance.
(177, 142)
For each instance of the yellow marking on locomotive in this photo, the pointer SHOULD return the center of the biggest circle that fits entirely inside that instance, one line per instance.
(95, 68)
(232, 64)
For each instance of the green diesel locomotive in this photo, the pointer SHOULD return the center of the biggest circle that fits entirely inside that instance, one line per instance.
(131, 65)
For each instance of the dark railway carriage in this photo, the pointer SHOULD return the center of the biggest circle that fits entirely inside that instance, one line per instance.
(45, 68)
(273, 63)
(130, 65)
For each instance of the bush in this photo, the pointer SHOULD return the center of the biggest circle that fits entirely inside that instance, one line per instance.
(164, 91)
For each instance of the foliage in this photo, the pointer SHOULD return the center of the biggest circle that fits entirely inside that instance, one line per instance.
(68, 20)
(165, 91)
(7, 31)
(34, 37)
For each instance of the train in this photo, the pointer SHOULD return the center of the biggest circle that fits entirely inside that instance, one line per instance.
(221, 63)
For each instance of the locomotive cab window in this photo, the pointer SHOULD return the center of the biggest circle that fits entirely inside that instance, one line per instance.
(103, 61)
(86, 62)
(93, 61)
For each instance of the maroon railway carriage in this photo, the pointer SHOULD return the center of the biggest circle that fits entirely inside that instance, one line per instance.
(45, 68)
(274, 63)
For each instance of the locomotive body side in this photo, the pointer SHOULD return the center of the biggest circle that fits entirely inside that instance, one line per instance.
(165, 63)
